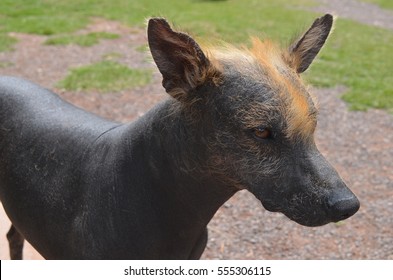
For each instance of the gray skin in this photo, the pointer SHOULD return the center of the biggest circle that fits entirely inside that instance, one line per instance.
(77, 186)
(80, 187)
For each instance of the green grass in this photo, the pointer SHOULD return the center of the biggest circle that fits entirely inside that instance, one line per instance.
(356, 56)
(143, 48)
(104, 76)
(112, 56)
(84, 40)
(387, 4)
(232, 20)
(5, 64)
(6, 42)
(359, 57)
(44, 17)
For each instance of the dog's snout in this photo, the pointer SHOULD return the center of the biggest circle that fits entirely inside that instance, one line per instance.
(343, 206)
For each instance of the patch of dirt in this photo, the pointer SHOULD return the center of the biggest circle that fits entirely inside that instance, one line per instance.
(362, 12)
(358, 144)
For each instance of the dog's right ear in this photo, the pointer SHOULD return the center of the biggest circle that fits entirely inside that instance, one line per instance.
(179, 58)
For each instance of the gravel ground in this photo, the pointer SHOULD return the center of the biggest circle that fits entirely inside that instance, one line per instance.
(358, 144)
(359, 11)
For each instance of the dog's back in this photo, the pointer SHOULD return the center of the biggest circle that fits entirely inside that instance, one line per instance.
(42, 144)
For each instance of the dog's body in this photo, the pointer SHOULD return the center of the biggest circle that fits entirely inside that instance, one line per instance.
(77, 186)
(84, 180)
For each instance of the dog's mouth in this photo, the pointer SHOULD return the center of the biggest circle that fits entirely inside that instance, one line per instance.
(310, 217)
(271, 207)
(301, 217)
(309, 221)
(316, 207)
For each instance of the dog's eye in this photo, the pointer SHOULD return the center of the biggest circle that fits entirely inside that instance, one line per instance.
(262, 133)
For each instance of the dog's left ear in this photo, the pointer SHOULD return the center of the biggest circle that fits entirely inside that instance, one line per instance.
(305, 49)
(179, 58)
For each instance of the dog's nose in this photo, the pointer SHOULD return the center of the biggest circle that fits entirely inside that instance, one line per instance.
(343, 205)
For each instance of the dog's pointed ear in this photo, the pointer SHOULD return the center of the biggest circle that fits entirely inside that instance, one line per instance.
(178, 57)
(305, 49)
